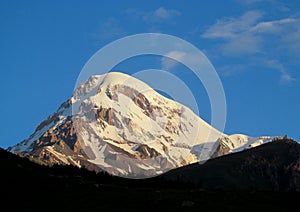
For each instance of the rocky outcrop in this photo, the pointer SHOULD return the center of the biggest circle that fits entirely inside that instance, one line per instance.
(64, 135)
(146, 152)
(221, 148)
(106, 114)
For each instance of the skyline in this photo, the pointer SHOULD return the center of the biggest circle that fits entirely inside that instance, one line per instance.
(254, 46)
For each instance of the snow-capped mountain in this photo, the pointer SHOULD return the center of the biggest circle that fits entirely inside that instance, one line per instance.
(119, 124)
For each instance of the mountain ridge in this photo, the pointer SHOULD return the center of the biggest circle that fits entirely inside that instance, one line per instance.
(273, 166)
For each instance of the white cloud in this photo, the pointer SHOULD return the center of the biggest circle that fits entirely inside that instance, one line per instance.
(168, 63)
(161, 15)
(250, 2)
(236, 34)
(186, 58)
(292, 42)
(230, 69)
(248, 35)
(272, 26)
(242, 44)
(228, 28)
(285, 77)
(153, 20)
(279, 6)
(134, 12)
(111, 29)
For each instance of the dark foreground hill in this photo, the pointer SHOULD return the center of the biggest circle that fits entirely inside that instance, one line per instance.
(259, 179)
(274, 166)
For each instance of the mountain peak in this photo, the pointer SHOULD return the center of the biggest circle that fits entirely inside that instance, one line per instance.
(117, 123)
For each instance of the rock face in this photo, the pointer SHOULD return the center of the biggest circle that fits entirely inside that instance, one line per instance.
(117, 123)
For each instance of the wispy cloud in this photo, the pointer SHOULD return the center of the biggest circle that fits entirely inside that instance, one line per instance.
(110, 29)
(229, 28)
(189, 58)
(249, 34)
(160, 15)
(291, 41)
(275, 5)
(285, 77)
(276, 26)
(251, 2)
(229, 70)
(168, 63)
(135, 13)
(242, 44)
(237, 34)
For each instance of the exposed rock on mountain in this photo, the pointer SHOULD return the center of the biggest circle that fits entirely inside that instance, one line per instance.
(117, 123)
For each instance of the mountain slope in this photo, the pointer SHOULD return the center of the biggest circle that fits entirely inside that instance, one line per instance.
(116, 123)
(274, 166)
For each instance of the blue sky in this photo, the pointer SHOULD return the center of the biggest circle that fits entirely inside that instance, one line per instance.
(254, 46)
